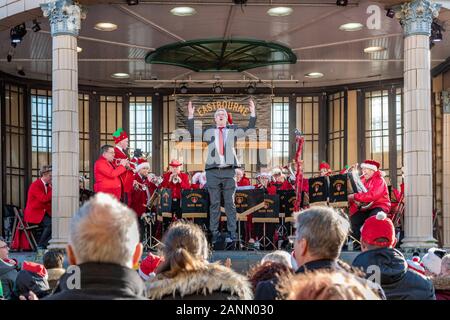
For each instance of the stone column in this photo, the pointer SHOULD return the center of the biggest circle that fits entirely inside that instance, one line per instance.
(65, 18)
(446, 167)
(416, 18)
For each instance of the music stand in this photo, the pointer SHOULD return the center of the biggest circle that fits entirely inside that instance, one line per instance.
(148, 237)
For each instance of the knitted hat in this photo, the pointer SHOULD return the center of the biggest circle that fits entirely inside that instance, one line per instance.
(148, 266)
(371, 164)
(414, 264)
(433, 259)
(376, 227)
(119, 135)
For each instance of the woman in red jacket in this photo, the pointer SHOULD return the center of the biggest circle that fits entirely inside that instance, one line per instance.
(39, 205)
(377, 194)
(107, 175)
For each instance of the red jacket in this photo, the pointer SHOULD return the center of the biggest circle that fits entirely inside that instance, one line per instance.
(243, 182)
(140, 197)
(377, 192)
(106, 177)
(282, 186)
(271, 189)
(176, 188)
(128, 176)
(38, 202)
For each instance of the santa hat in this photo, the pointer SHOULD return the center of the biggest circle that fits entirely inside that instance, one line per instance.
(324, 165)
(376, 227)
(414, 264)
(432, 260)
(119, 135)
(371, 164)
(175, 163)
(141, 164)
(148, 266)
(35, 268)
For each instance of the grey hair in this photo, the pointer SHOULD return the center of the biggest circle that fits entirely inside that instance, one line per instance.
(445, 265)
(324, 229)
(104, 230)
(220, 109)
(278, 256)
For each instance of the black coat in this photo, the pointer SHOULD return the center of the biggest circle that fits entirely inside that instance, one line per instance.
(397, 281)
(101, 281)
(27, 281)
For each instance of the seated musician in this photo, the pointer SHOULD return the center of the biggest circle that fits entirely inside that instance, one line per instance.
(241, 179)
(377, 194)
(264, 179)
(279, 181)
(199, 180)
(325, 169)
(141, 192)
(175, 180)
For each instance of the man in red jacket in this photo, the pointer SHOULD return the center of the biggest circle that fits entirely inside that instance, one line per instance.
(121, 152)
(107, 174)
(142, 191)
(39, 205)
(377, 194)
(176, 180)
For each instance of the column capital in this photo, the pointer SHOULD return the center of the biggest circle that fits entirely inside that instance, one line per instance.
(65, 16)
(416, 16)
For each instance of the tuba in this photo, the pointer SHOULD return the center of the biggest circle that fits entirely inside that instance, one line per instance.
(355, 185)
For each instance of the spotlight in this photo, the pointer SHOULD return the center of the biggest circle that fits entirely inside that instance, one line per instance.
(132, 3)
(20, 71)
(390, 13)
(17, 33)
(183, 88)
(342, 3)
(217, 88)
(251, 88)
(36, 26)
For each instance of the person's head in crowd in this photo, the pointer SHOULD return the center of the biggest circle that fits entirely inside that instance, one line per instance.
(4, 249)
(445, 265)
(378, 232)
(432, 261)
(104, 231)
(107, 151)
(320, 234)
(326, 285)
(33, 277)
(278, 256)
(221, 117)
(53, 259)
(267, 270)
(184, 248)
(46, 174)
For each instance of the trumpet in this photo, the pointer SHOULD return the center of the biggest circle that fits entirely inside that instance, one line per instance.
(156, 180)
(176, 179)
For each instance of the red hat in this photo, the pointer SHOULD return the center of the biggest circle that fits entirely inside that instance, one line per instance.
(324, 165)
(119, 135)
(175, 163)
(416, 265)
(344, 170)
(35, 268)
(371, 164)
(379, 226)
(149, 265)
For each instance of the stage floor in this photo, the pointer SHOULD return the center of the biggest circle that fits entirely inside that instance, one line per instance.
(241, 260)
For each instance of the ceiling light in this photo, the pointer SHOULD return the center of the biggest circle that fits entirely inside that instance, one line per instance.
(217, 88)
(352, 26)
(183, 11)
(132, 2)
(342, 3)
(79, 49)
(36, 26)
(314, 75)
(374, 49)
(279, 11)
(17, 33)
(183, 88)
(120, 75)
(105, 26)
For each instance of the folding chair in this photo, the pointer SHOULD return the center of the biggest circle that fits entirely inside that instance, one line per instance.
(20, 224)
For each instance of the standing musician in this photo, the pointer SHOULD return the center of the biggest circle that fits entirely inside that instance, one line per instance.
(141, 193)
(121, 152)
(176, 180)
(241, 179)
(377, 194)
